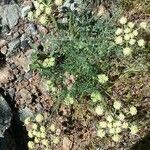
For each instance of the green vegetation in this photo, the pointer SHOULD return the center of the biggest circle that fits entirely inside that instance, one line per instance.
(94, 61)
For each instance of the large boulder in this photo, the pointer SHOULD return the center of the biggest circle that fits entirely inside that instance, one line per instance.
(11, 15)
(5, 115)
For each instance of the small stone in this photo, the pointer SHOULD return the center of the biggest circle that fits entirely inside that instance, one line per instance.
(23, 61)
(4, 75)
(4, 49)
(31, 29)
(25, 94)
(25, 10)
(16, 35)
(2, 42)
(28, 75)
(13, 45)
(25, 45)
(67, 144)
(11, 92)
(42, 29)
(24, 113)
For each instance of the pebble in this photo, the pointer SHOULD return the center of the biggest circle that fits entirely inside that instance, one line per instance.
(25, 44)
(25, 10)
(2, 42)
(16, 35)
(4, 49)
(31, 29)
(13, 45)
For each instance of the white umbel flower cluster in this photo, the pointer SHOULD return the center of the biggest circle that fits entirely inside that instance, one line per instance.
(128, 35)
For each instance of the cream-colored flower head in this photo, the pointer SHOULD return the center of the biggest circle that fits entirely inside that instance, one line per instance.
(127, 37)
(43, 134)
(37, 13)
(101, 133)
(30, 134)
(99, 110)
(135, 33)
(58, 2)
(127, 51)
(119, 31)
(102, 78)
(131, 25)
(117, 124)
(34, 126)
(117, 105)
(125, 125)
(58, 131)
(103, 124)
(36, 140)
(127, 30)
(56, 140)
(141, 43)
(43, 20)
(132, 35)
(143, 25)
(36, 4)
(123, 20)
(133, 129)
(132, 41)
(31, 145)
(45, 142)
(121, 116)
(118, 130)
(39, 118)
(48, 10)
(116, 138)
(52, 128)
(109, 125)
(119, 40)
(27, 121)
(42, 129)
(42, 7)
(34, 132)
(111, 130)
(109, 118)
(133, 110)
(38, 134)
(30, 15)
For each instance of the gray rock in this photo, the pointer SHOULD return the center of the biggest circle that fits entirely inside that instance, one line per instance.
(25, 10)
(5, 29)
(10, 15)
(31, 29)
(5, 117)
(1, 11)
(25, 44)
(13, 45)
(24, 113)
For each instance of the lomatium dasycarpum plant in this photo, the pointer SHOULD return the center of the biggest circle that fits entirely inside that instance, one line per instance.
(128, 36)
(41, 134)
(115, 122)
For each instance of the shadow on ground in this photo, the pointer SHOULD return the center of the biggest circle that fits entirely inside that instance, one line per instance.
(144, 144)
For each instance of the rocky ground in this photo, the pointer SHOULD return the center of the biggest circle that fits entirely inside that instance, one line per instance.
(19, 87)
